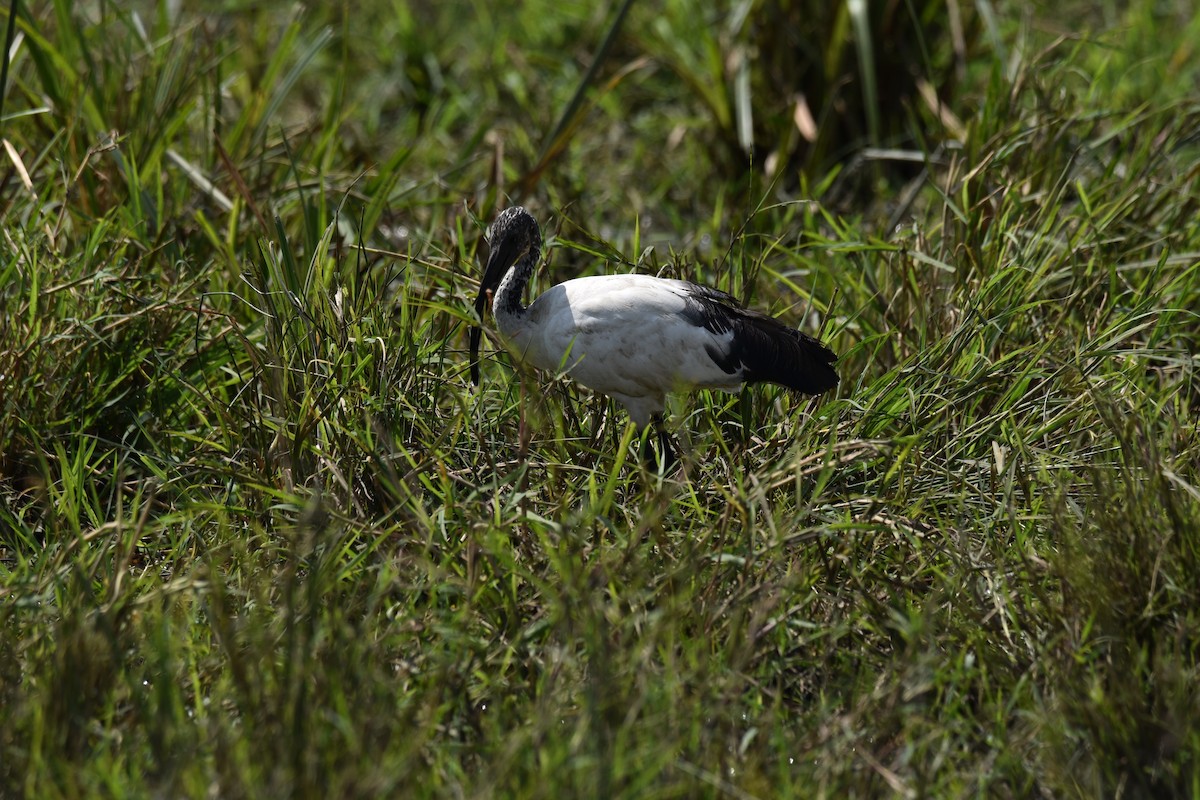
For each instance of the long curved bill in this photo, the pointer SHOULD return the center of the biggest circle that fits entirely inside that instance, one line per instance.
(502, 256)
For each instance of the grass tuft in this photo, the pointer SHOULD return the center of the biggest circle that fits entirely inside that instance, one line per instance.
(260, 537)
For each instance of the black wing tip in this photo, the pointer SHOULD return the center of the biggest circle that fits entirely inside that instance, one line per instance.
(826, 375)
(764, 347)
(824, 380)
(775, 353)
(818, 375)
(812, 378)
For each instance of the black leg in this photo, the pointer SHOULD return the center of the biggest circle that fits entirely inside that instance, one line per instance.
(648, 456)
(666, 445)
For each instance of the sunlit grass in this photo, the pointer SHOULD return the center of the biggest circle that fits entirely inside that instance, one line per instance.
(260, 536)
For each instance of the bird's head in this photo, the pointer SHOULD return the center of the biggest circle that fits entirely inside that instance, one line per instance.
(513, 238)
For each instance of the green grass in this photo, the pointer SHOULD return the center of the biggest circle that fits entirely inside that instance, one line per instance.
(260, 537)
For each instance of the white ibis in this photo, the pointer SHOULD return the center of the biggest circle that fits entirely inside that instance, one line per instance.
(637, 338)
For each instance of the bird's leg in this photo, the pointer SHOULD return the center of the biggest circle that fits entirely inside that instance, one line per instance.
(670, 449)
(666, 446)
(522, 422)
(648, 457)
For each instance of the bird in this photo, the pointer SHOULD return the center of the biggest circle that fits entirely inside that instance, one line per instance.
(637, 338)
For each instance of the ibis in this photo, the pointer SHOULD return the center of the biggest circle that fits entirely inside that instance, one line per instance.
(637, 338)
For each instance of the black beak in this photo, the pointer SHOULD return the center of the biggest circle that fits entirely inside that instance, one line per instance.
(502, 256)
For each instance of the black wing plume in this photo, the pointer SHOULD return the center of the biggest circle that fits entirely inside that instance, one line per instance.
(763, 347)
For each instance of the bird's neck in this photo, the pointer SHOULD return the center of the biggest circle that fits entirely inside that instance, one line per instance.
(506, 303)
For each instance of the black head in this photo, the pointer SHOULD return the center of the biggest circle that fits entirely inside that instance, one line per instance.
(513, 236)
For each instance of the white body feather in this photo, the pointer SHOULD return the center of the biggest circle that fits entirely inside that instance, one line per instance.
(621, 335)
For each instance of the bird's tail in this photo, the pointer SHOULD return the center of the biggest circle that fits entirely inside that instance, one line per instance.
(774, 353)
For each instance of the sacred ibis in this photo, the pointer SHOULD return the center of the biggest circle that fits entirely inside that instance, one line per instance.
(637, 338)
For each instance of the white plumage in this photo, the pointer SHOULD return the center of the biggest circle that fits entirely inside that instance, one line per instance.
(623, 336)
(637, 338)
